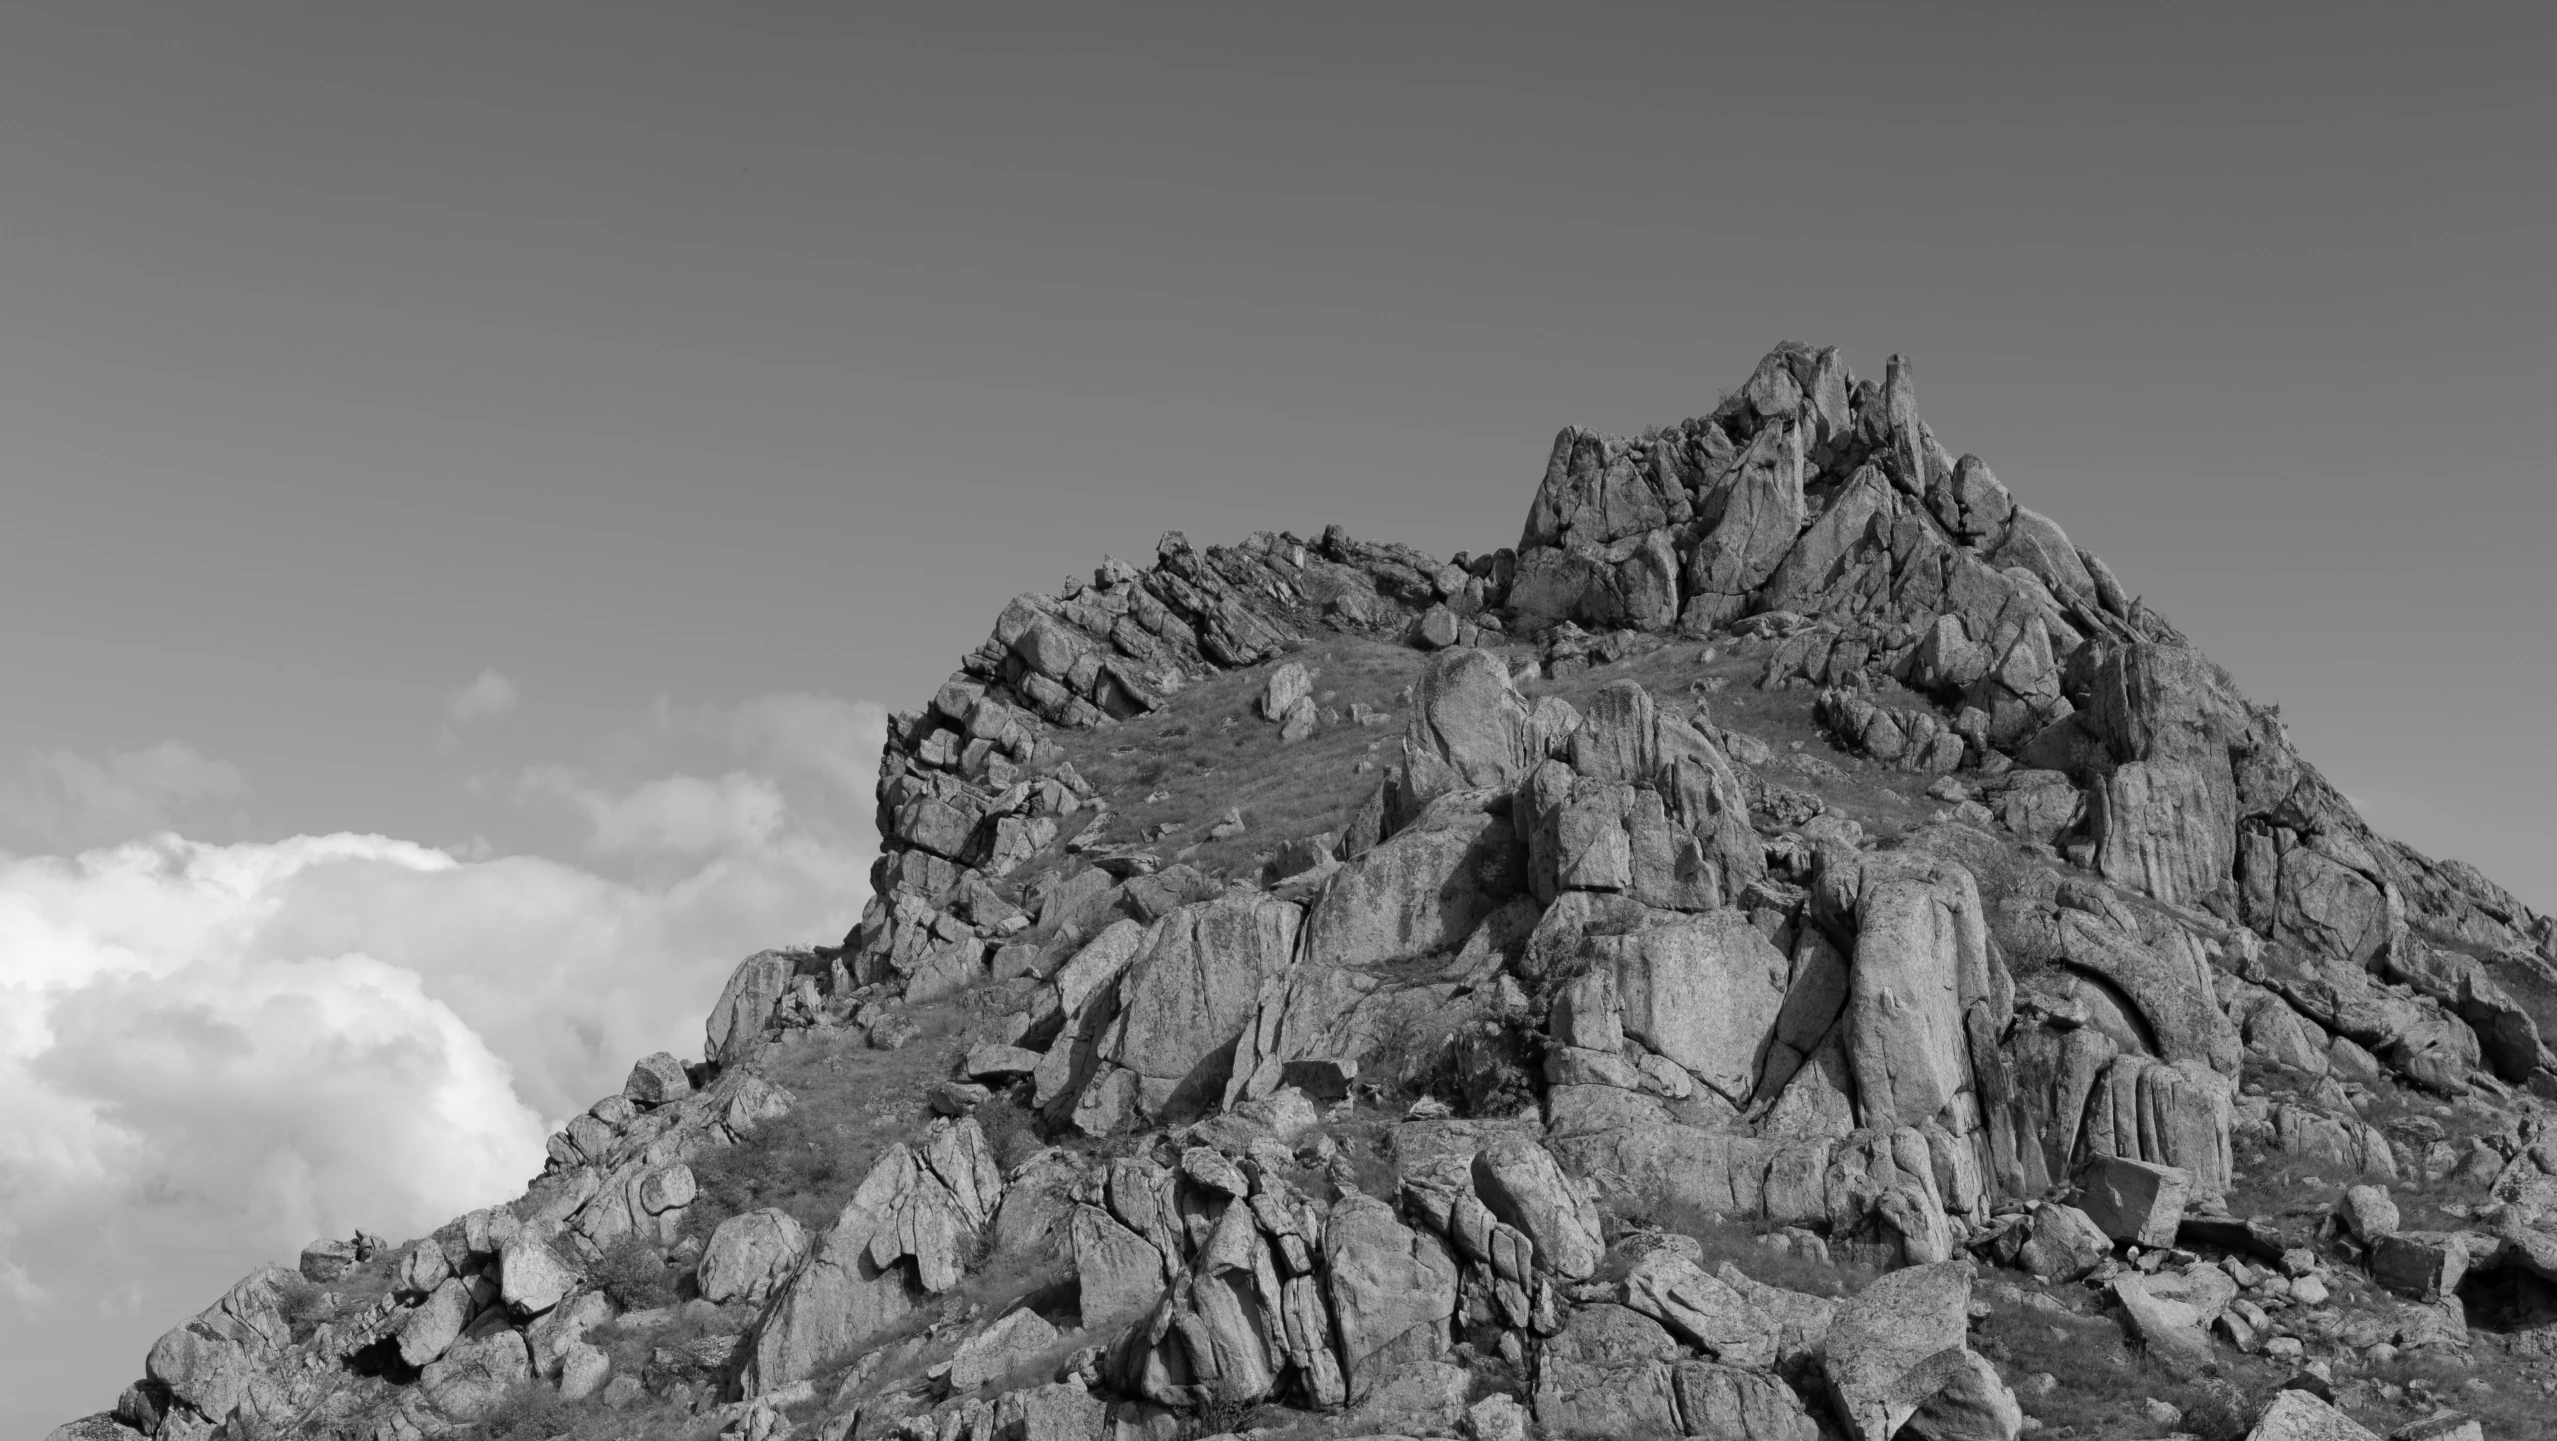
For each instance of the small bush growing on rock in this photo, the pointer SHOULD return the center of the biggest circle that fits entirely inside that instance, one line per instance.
(633, 1272)
(1009, 1130)
(531, 1411)
(850, 1104)
(1221, 1416)
(304, 1305)
(1741, 1242)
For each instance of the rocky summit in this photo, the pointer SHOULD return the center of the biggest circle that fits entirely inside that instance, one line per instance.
(1790, 950)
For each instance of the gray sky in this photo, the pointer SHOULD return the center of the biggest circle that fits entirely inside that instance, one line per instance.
(706, 372)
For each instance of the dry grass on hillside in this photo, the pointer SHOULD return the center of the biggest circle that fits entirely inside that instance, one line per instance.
(852, 1104)
(2296, 1191)
(1740, 1243)
(1680, 678)
(2104, 1385)
(1210, 750)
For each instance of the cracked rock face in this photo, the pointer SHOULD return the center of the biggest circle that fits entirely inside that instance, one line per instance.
(1793, 838)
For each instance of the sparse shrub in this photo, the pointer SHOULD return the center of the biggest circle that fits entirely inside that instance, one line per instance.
(304, 1305)
(1011, 1131)
(1220, 1416)
(2219, 1416)
(1399, 1061)
(1374, 1172)
(792, 1162)
(851, 1104)
(1489, 1070)
(633, 1272)
(1739, 1242)
(530, 1411)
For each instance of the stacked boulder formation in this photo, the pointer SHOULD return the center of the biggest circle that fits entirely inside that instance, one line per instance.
(1623, 986)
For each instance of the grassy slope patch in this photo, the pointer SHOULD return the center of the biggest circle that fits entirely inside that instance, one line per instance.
(852, 1104)
(1200, 766)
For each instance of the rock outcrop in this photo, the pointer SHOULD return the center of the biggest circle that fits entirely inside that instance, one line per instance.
(1792, 837)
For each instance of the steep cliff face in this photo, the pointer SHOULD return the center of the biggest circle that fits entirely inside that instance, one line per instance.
(1311, 974)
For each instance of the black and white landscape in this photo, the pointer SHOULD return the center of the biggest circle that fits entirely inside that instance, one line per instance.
(980, 623)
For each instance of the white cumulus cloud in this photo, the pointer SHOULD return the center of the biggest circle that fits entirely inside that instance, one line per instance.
(488, 696)
(212, 1053)
(686, 814)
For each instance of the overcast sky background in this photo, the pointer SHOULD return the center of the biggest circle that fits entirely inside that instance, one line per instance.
(476, 473)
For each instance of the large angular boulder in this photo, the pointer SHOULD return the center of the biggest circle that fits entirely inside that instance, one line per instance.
(657, 1079)
(750, 1255)
(1608, 1374)
(1732, 1403)
(323, 1261)
(2154, 701)
(1971, 503)
(2297, 1415)
(532, 1277)
(1392, 1290)
(2331, 907)
(1469, 729)
(1762, 511)
(1680, 804)
(1975, 1405)
(1098, 963)
(746, 1004)
(1586, 834)
(997, 1351)
(433, 1324)
(1521, 1184)
(1896, 1343)
(1288, 685)
(2040, 805)
(1598, 489)
(583, 1369)
(1059, 1411)
(1799, 1321)
(2507, 1033)
(2062, 1243)
(2426, 1265)
(208, 1362)
(1187, 997)
(2168, 1115)
(1921, 953)
(2168, 1327)
(857, 1281)
(1704, 992)
(1626, 584)
(2168, 828)
(1851, 531)
(2179, 1013)
(1121, 1273)
(476, 1374)
(1711, 1314)
(2036, 542)
(1420, 893)
(2369, 1212)
(557, 1330)
(2135, 1201)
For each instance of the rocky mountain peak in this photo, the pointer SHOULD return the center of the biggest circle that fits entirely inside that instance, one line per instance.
(1789, 949)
